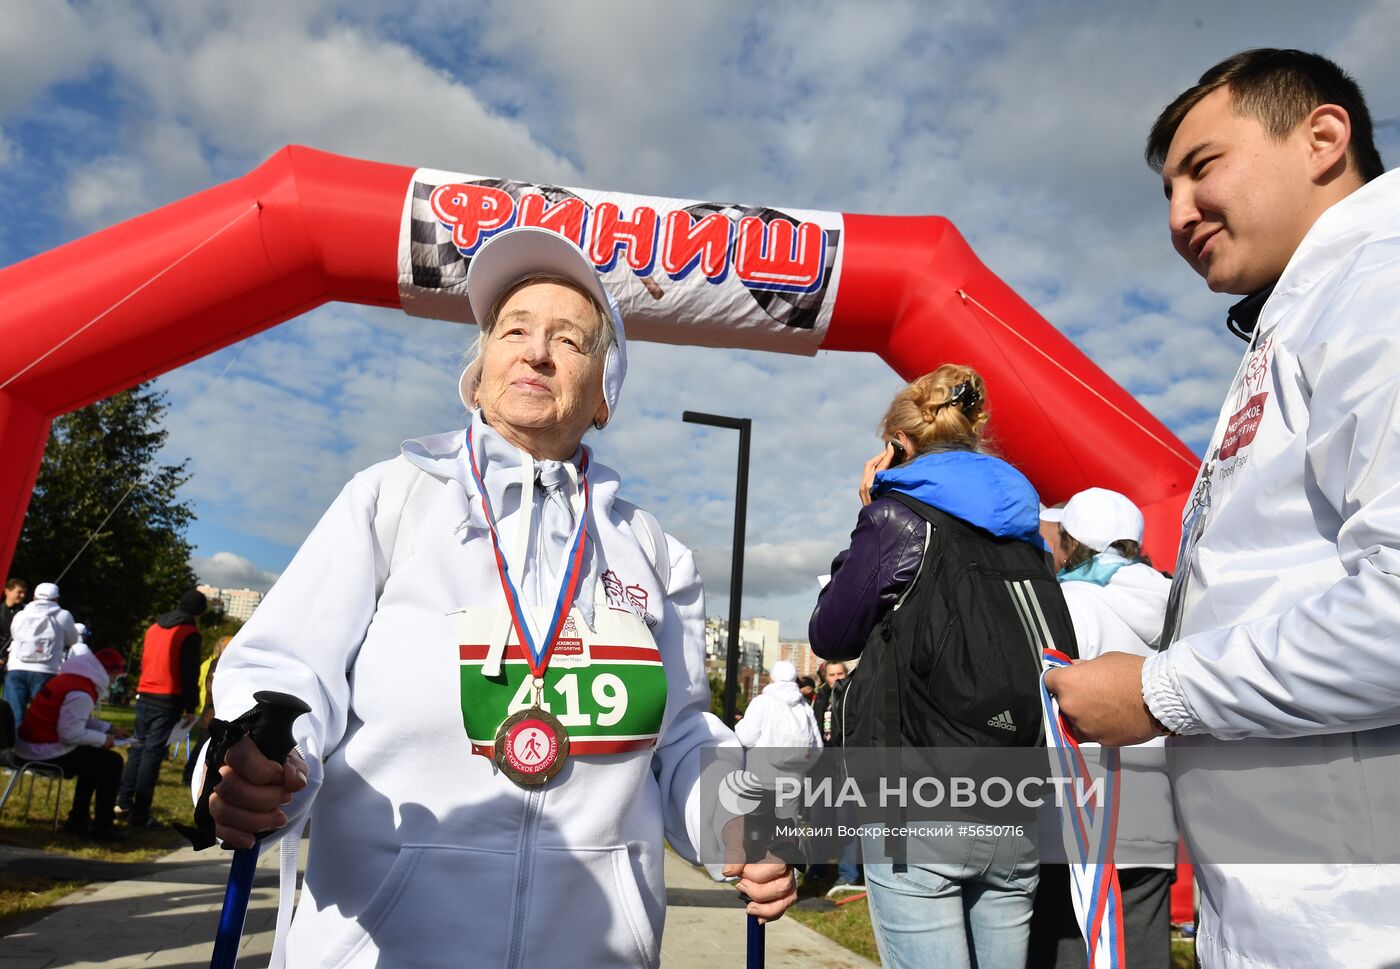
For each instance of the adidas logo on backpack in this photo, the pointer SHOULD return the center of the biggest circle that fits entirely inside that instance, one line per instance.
(1003, 720)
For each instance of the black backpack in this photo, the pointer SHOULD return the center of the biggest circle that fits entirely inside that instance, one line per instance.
(957, 662)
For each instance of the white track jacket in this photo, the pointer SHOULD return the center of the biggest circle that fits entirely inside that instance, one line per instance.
(1290, 631)
(421, 853)
(1125, 616)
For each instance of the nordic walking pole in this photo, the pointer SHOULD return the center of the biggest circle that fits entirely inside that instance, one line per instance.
(272, 733)
(758, 839)
(755, 943)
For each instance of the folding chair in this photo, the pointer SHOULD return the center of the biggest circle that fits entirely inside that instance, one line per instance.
(18, 768)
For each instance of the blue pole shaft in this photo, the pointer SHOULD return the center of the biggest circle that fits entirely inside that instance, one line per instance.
(755, 943)
(240, 887)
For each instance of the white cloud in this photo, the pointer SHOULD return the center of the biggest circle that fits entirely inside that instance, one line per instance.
(217, 90)
(107, 189)
(1023, 125)
(305, 406)
(42, 42)
(770, 568)
(9, 151)
(226, 570)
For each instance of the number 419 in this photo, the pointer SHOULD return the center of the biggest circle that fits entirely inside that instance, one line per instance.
(609, 693)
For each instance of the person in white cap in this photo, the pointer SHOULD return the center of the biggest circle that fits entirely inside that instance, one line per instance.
(84, 638)
(505, 666)
(1117, 602)
(39, 636)
(780, 715)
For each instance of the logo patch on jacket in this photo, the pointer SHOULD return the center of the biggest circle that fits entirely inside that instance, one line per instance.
(628, 598)
(1242, 426)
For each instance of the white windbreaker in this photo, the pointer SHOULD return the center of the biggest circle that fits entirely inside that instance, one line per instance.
(40, 634)
(421, 853)
(1125, 616)
(1291, 619)
(779, 716)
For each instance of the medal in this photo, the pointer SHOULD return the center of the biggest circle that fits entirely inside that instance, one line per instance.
(532, 744)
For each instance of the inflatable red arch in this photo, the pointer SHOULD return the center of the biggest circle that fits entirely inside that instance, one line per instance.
(126, 304)
(123, 305)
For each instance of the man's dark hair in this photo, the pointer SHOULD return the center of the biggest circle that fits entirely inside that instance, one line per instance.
(1280, 88)
(16, 584)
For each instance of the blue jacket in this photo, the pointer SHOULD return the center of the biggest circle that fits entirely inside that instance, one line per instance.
(887, 545)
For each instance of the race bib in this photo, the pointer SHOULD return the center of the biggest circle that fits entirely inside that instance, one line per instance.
(607, 688)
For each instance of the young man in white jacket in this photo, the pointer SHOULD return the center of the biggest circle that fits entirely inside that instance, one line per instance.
(39, 636)
(1281, 633)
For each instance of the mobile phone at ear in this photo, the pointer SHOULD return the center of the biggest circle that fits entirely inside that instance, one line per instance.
(899, 453)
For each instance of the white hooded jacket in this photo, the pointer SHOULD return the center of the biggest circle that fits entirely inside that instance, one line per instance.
(1125, 616)
(422, 853)
(40, 634)
(1291, 619)
(76, 725)
(779, 716)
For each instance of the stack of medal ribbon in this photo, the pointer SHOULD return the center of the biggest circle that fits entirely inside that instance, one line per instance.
(1089, 830)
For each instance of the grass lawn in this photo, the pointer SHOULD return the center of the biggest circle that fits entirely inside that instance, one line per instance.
(25, 893)
(847, 925)
(172, 803)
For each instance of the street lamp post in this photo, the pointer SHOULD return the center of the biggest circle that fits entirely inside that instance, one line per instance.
(736, 571)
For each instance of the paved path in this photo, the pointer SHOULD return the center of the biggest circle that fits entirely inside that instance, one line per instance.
(166, 917)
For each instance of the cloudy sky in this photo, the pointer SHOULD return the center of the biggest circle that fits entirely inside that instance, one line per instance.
(1022, 123)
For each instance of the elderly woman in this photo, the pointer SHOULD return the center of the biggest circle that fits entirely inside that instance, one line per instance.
(505, 667)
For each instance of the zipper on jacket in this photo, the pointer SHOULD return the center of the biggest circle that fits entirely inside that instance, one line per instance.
(529, 825)
(923, 555)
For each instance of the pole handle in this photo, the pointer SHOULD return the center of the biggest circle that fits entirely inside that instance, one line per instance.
(272, 729)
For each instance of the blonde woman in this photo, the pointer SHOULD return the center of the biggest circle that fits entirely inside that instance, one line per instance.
(944, 568)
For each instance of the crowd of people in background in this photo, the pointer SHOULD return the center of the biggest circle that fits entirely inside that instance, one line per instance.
(54, 686)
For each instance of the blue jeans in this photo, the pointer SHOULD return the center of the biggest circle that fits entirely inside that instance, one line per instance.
(154, 721)
(969, 908)
(848, 869)
(21, 686)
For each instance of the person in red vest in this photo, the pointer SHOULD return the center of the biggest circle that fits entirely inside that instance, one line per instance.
(59, 728)
(167, 694)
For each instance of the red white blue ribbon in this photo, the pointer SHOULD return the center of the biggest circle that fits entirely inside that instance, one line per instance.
(1089, 830)
(537, 653)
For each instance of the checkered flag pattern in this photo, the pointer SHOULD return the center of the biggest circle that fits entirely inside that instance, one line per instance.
(797, 310)
(437, 262)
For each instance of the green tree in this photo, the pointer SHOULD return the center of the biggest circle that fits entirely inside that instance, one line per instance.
(137, 563)
(741, 702)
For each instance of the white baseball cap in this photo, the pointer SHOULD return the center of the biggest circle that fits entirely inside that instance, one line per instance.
(1097, 517)
(783, 672)
(510, 256)
(46, 590)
